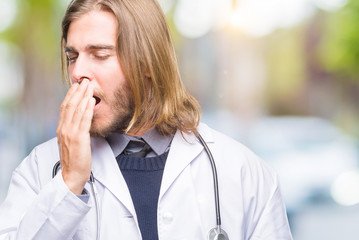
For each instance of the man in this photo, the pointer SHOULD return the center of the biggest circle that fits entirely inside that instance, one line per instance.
(126, 99)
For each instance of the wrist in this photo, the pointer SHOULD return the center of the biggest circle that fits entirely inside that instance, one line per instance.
(74, 182)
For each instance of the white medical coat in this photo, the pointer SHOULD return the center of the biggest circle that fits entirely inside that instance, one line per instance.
(41, 207)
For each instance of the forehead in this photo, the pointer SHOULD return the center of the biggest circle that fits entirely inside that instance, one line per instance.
(93, 28)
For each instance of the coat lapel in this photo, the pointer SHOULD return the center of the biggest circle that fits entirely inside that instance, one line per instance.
(107, 172)
(184, 149)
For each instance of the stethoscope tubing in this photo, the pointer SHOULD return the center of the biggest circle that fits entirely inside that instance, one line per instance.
(215, 179)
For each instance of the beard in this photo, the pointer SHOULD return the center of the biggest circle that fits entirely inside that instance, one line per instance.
(122, 109)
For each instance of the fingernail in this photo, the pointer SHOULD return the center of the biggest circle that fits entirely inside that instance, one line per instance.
(93, 101)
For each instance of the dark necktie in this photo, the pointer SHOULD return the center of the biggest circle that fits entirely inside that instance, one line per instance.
(142, 153)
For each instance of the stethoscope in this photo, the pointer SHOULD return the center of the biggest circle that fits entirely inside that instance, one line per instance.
(216, 233)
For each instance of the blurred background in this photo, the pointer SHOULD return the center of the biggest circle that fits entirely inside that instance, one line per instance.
(280, 76)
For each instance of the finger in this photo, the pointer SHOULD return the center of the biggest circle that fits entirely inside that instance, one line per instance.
(68, 96)
(73, 103)
(86, 121)
(81, 108)
(67, 107)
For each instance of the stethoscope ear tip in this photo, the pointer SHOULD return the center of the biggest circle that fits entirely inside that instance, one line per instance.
(214, 234)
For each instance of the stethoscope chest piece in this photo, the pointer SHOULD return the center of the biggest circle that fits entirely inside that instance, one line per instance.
(217, 234)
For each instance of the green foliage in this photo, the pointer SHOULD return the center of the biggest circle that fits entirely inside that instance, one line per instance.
(36, 30)
(339, 51)
(286, 70)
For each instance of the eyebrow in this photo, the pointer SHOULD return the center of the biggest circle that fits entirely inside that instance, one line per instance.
(92, 47)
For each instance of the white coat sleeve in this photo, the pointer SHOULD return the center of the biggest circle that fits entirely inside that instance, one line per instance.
(37, 210)
(273, 222)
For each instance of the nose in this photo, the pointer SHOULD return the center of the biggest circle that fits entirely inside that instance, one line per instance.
(79, 70)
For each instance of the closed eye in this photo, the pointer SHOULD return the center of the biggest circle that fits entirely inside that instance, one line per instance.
(101, 54)
(71, 55)
(101, 57)
(71, 59)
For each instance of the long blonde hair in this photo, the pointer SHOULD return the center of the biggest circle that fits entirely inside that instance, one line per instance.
(146, 51)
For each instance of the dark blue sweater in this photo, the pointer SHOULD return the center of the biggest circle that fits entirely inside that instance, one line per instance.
(143, 177)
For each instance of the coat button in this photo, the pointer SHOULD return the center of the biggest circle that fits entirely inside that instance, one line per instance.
(167, 217)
